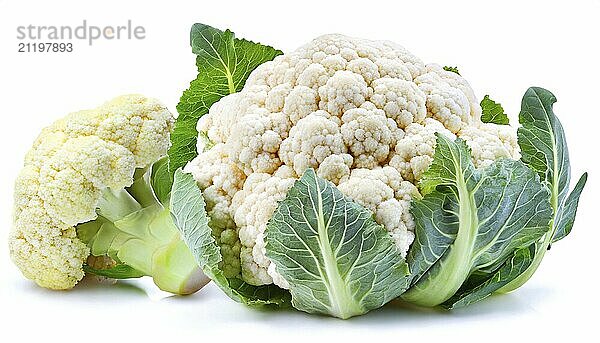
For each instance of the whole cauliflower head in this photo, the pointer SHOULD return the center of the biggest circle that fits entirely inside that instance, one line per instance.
(65, 172)
(362, 113)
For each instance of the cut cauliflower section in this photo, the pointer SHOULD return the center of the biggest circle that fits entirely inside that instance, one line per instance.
(362, 113)
(72, 162)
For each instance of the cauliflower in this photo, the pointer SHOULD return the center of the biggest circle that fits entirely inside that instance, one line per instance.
(362, 113)
(84, 201)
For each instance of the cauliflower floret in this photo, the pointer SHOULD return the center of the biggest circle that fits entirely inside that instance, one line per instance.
(414, 153)
(221, 117)
(258, 136)
(343, 91)
(383, 191)
(300, 102)
(456, 81)
(364, 67)
(313, 139)
(489, 142)
(253, 206)
(401, 100)
(72, 179)
(46, 251)
(335, 168)
(368, 135)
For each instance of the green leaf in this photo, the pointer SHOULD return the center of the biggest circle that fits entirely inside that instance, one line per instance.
(161, 180)
(451, 69)
(544, 150)
(335, 257)
(119, 271)
(224, 63)
(492, 112)
(208, 144)
(480, 289)
(188, 212)
(569, 210)
(470, 221)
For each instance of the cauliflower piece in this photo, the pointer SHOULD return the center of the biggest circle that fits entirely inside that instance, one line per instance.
(71, 180)
(454, 80)
(362, 113)
(78, 169)
(414, 153)
(259, 135)
(300, 102)
(221, 117)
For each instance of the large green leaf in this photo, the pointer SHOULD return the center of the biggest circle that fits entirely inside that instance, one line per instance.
(544, 150)
(335, 257)
(188, 212)
(224, 63)
(470, 221)
(492, 112)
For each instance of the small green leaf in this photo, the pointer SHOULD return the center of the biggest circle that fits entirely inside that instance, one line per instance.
(224, 63)
(189, 215)
(335, 257)
(161, 180)
(451, 69)
(119, 271)
(567, 216)
(473, 292)
(492, 112)
(208, 144)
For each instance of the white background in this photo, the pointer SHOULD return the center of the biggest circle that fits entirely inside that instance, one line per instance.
(500, 48)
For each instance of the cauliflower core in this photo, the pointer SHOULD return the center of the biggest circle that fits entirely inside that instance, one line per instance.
(362, 113)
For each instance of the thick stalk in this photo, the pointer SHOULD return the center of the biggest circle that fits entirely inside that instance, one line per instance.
(157, 250)
(135, 229)
(454, 268)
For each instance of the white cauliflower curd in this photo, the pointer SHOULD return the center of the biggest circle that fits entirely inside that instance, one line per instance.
(362, 113)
